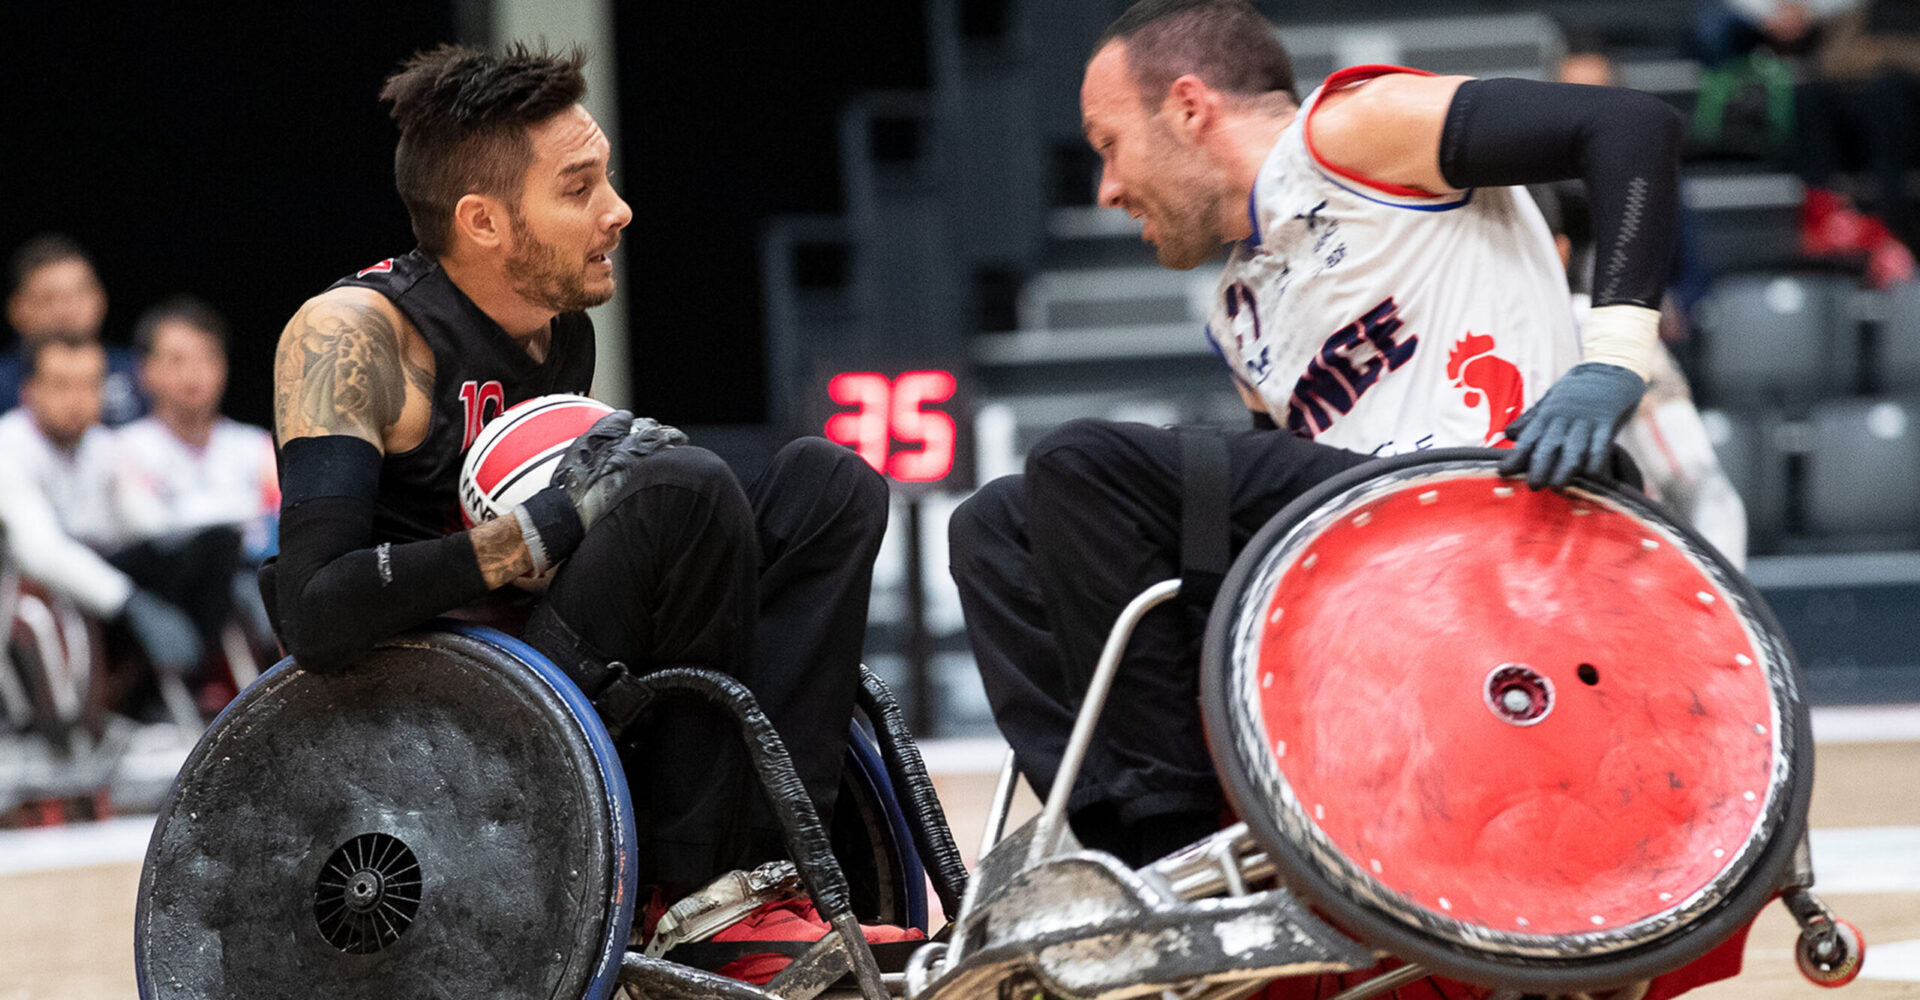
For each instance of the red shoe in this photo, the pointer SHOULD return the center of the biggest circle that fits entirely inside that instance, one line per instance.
(766, 904)
(1831, 227)
(791, 920)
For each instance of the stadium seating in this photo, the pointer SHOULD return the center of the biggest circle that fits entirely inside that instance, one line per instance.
(1778, 339)
(1863, 470)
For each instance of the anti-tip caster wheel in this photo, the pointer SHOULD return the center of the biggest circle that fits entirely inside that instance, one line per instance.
(1830, 956)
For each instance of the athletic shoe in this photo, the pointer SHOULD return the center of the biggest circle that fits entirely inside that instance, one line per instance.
(766, 904)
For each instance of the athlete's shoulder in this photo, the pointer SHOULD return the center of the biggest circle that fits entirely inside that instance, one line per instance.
(393, 276)
(1382, 123)
(344, 363)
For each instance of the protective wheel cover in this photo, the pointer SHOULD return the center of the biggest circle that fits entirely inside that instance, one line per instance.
(1543, 741)
(445, 818)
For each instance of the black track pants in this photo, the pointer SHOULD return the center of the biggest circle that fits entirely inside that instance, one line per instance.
(1045, 563)
(768, 584)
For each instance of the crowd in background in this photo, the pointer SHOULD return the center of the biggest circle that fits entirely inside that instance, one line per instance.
(1829, 89)
(128, 503)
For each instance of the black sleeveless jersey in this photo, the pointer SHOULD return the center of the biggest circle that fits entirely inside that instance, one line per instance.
(478, 371)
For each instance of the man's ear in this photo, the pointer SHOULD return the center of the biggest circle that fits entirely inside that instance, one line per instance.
(1191, 106)
(480, 220)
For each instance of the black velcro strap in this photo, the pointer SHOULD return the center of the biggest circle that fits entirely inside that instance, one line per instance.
(1205, 523)
(890, 956)
(620, 698)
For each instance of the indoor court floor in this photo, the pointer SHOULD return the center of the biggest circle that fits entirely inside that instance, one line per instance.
(67, 894)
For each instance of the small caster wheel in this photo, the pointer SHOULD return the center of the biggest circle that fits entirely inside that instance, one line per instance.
(1830, 959)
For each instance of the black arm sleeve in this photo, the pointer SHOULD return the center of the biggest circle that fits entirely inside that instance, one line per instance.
(338, 592)
(1624, 144)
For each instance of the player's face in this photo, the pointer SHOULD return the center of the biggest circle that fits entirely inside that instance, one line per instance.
(186, 372)
(64, 393)
(569, 218)
(62, 297)
(1145, 168)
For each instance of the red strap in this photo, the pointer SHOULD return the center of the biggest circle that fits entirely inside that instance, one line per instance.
(1349, 77)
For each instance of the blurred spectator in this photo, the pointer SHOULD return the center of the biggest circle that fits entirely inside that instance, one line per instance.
(63, 509)
(193, 465)
(54, 290)
(1666, 436)
(1728, 29)
(1859, 139)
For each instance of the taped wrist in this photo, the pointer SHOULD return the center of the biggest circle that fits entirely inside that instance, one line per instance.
(550, 526)
(1623, 335)
(1624, 144)
(338, 592)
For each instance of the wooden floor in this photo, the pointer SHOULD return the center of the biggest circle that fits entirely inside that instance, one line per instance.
(66, 932)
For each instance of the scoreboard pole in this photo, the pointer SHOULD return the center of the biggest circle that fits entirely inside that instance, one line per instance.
(918, 650)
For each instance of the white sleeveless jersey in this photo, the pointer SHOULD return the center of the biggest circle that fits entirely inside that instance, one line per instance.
(1384, 319)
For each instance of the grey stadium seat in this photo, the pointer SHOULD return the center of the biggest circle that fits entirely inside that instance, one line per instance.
(1778, 338)
(1745, 443)
(1899, 359)
(1863, 468)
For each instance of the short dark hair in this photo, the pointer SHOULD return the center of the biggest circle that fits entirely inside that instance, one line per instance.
(38, 252)
(34, 349)
(1226, 43)
(179, 309)
(463, 115)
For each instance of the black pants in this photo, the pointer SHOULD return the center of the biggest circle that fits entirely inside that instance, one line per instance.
(768, 584)
(1045, 563)
(1872, 127)
(192, 570)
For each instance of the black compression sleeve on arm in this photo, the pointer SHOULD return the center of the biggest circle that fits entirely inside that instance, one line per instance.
(1624, 144)
(338, 592)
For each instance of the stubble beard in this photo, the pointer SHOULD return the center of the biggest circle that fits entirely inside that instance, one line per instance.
(1185, 234)
(541, 273)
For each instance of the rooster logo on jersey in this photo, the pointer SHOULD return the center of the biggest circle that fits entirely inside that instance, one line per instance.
(1474, 367)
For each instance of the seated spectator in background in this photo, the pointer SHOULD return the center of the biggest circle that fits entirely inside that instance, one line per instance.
(1666, 437)
(64, 508)
(1859, 139)
(193, 465)
(55, 291)
(1729, 29)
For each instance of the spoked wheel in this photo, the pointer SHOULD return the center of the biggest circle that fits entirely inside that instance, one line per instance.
(445, 818)
(1542, 741)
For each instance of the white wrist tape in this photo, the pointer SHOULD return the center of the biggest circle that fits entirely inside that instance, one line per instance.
(531, 535)
(1623, 335)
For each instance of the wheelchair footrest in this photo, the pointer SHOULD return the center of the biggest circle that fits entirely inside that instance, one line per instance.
(1083, 924)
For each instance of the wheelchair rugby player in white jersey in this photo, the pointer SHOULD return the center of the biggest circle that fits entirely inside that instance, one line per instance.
(1414, 622)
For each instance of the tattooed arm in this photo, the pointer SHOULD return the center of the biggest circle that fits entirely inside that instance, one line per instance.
(352, 382)
(343, 368)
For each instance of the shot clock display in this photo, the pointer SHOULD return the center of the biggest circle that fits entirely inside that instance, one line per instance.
(901, 425)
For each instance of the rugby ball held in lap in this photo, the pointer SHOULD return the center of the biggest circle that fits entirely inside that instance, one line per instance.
(515, 453)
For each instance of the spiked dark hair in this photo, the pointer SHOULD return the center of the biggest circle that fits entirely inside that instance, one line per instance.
(1226, 43)
(463, 115)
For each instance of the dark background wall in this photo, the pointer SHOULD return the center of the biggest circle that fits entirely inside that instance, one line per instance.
(727, 119)
(237, 151)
